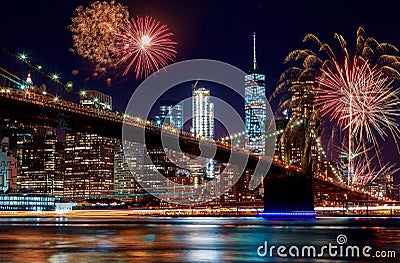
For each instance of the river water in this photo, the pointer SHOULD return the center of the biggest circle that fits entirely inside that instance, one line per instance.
(225, 239)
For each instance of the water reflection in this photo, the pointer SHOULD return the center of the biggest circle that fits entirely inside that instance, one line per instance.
(181, 239)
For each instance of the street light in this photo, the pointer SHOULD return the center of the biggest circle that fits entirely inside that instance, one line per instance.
(70, 85)
(23, 56)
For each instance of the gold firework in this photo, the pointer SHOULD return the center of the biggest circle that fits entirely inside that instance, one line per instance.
(94, 29)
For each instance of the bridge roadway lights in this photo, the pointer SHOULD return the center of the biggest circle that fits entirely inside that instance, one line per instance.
(288, 196)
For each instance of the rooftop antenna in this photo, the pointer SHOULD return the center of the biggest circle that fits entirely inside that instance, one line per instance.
(254, 52)
(194, 86)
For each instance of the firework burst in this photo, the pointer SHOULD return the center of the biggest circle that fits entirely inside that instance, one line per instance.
(94, 29)
(356, 97)
(359, 99)
(361, 170)
(145, 44)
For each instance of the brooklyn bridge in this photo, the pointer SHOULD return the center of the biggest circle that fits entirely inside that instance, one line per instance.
(287, 187)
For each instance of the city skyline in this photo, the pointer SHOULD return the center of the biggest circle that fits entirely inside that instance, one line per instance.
(88, 95)
(269, 73)
(280, 27)
(37, 163)
(199, 131)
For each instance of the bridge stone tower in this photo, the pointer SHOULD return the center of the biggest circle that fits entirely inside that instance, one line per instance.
(289, 192)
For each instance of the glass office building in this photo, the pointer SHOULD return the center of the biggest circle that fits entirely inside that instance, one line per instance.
(171, 113)
(255, 108)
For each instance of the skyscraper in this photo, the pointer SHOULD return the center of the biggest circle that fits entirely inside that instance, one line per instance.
(203, 112)
(125, 184)
(89, 165)
(255, 107)
(305, 113)
(171, 112)
(203, 120)
(14, 135)
(302, 102)
(4, 166)
(38, 172)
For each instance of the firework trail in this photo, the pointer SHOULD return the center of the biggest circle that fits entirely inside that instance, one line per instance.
(94, 29)
(362, 173)
(145, 44)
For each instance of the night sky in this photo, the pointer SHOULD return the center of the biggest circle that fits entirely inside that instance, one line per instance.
(220, 30)
(209, 29)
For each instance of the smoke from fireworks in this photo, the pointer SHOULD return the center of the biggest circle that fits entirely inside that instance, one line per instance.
(145, 44)
(94, 29)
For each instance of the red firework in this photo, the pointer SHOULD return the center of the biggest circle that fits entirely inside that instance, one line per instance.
(145, 44)
(359, 98)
